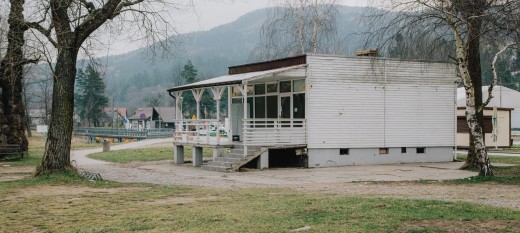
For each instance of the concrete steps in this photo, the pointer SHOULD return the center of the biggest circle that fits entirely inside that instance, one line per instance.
(232, 161)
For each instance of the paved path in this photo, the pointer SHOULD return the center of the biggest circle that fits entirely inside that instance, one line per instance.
(164, 172)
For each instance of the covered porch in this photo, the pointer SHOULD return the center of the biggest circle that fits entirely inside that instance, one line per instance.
(265, 109)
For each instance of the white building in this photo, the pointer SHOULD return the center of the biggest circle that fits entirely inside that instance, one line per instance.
(322, 111)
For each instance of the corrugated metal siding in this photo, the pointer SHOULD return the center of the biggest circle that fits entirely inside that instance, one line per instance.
(357, 103)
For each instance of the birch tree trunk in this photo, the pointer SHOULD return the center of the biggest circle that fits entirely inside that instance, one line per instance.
(472, 107)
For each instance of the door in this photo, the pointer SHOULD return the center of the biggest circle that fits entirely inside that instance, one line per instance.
(237, 114)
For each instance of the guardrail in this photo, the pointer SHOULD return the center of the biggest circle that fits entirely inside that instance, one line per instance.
(124, 133)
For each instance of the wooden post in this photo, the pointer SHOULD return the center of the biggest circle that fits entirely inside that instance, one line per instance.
(244, 93)
(230, 102)
(197, 93)
(217, 95)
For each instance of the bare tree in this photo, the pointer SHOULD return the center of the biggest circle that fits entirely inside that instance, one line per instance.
(298, 27)
(12, 128)
(67, 25)
(466, 24)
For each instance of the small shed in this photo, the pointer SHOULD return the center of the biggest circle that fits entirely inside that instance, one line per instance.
(497, 128)
(503, 97)
(330, 111)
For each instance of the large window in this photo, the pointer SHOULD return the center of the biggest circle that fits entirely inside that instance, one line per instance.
(283, 99)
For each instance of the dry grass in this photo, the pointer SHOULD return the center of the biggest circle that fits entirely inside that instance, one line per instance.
(64, 203)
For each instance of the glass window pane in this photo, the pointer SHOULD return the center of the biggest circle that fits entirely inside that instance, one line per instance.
(236, 91)
(250, 106)
(299, 85)
(272, 106)
(259, 89)
(260, 107)
(285, 111)
(299, 105)
(285, 86)
(272, 87)
(236, 100)
(249, 90)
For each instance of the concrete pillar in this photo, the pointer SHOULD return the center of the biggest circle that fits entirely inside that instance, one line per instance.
(263, 160)
(197, 156)
(178, 154)
(217, 152)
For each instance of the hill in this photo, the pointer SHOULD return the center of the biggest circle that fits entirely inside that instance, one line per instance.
(134, 80)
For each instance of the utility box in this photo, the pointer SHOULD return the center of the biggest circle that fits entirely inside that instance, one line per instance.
(106, 146)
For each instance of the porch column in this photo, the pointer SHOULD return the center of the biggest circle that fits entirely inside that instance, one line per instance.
(178, 110)
(230, 102)
(243, 89)
(217, 95)
(178, 154)
(197, 156)
(197, 93)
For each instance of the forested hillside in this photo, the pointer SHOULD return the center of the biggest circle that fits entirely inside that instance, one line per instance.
(135, 80)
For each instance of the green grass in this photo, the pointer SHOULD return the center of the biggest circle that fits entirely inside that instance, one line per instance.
(65, 203)
(502, 175)
(145, 154)
(515, 149)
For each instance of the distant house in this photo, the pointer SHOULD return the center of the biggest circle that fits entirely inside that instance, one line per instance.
(153, 118)
(166, 117)
(503, 97)
(502, 128)
(38, 116)
(112, 115)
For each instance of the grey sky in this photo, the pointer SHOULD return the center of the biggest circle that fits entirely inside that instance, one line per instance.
(207, 14)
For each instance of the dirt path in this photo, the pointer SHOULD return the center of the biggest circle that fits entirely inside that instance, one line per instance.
(350, 180)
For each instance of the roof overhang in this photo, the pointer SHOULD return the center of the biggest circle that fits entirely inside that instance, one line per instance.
(235, 79)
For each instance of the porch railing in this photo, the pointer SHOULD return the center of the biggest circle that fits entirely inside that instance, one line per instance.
(274, 132)
(207, 131)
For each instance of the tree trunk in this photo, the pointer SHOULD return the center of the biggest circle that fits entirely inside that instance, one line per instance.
(12, 125)
(475, 74)
(57, 151)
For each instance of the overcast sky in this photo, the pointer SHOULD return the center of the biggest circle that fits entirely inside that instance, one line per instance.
(207, 14)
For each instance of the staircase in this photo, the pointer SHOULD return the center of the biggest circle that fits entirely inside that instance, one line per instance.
(234, 160)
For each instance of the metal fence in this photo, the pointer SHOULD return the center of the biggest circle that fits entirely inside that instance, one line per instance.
(124, 133)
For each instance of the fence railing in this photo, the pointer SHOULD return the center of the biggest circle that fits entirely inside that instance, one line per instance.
(207, 131)
(275, 132)
(124, 133)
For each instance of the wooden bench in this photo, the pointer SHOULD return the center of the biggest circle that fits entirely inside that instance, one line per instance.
(9, 151)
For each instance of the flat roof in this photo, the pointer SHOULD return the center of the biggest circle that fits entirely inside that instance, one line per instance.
(234, 79)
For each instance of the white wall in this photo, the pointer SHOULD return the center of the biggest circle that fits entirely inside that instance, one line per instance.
(373, 103)
(331, 157)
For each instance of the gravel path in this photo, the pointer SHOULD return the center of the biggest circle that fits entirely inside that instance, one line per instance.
(350, 180)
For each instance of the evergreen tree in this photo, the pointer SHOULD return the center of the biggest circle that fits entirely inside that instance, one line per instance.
(189, 105)
(189, 75)
(90, 97)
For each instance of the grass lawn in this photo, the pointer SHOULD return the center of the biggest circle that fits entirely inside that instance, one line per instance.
(505, 175)
(145, 154)
(515, 149)
(65, 203)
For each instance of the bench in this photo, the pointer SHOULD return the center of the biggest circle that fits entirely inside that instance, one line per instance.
(9, 151)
